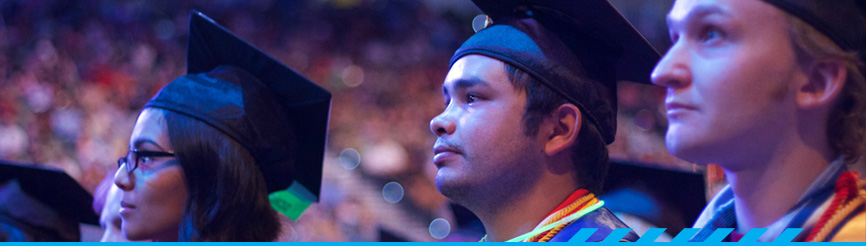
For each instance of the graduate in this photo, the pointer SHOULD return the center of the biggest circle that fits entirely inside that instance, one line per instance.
(530, 105)
(773, 92)
(215, 154)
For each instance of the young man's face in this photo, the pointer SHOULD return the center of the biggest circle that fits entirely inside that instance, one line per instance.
(481, 150)
(729, 75)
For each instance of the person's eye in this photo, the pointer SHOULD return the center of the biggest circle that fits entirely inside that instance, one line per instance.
(146, 159)
(711, 34)
(471, 98)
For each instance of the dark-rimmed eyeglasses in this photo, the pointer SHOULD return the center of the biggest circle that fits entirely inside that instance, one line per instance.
(139, 157)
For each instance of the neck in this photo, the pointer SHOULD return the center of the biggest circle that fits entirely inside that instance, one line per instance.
(169, 236)
(507, 220)
(766, 188)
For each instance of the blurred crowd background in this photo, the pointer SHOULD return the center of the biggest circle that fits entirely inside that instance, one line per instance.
(75, 74)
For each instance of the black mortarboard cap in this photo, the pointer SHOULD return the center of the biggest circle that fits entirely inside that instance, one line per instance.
(280, 116)
(843, 21)
(578, 49)
(53, 188)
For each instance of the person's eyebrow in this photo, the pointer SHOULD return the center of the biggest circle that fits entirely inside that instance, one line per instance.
(694, 13)
(463, 83)
(141, 141)
(470, 82)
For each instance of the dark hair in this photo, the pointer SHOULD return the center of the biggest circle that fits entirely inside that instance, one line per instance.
(589, 153)
(228, 198)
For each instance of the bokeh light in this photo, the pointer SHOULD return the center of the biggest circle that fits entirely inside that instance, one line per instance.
(392, 192)
(350, 158)
(440, 228)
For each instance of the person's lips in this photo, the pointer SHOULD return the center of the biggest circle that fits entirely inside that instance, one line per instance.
(441, 152)
(676, 109)
(125, 209)
(124, 204)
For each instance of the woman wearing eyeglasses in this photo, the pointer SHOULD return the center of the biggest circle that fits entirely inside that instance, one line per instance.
(216, 153)
(155, 190)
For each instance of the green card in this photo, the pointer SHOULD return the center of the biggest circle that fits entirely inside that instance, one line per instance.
(291, 202)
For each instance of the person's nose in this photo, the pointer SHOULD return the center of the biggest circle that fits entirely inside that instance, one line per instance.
(673, 70)
(443, 124)
(123, 179)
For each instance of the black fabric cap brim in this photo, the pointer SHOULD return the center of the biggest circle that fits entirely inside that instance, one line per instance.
(54, 188)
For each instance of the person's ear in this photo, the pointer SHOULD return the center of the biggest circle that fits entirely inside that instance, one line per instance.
(825, 81)
(565, 120)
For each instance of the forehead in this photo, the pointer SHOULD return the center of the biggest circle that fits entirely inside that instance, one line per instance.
(150, 127)
(749, 10)
(476, 68)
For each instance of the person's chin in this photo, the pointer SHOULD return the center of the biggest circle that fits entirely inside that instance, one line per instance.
(132, 234)
(688, 150)
(449, 185)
